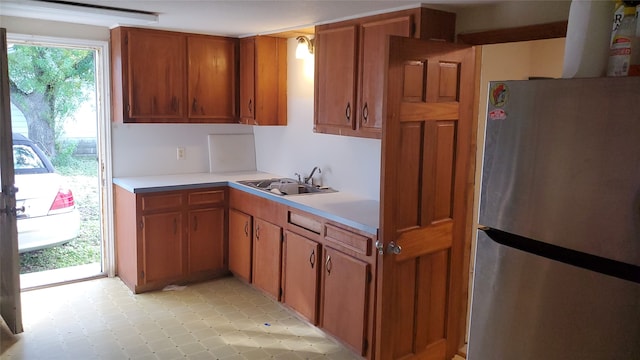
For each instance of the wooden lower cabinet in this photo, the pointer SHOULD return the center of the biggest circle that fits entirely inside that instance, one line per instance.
(345, 298)
(301, 275)
(240, 244)
(169, 237)
(267, 252)
(206, 248)
(162, 247)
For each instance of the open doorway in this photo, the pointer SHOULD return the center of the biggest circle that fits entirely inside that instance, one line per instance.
(57, 97)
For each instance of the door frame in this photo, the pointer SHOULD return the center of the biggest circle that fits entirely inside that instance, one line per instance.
(103, 112)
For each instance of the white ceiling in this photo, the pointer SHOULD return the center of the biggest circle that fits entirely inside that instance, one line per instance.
(243, 18)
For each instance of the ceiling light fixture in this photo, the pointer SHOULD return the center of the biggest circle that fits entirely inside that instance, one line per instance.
(305, 47)
(76, 13)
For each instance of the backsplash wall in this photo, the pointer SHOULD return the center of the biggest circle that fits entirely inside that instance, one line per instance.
(150, 149)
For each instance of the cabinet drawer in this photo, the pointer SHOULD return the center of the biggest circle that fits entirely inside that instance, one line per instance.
(161, 202)
(207, 197)
(305, 222)
(356, 242)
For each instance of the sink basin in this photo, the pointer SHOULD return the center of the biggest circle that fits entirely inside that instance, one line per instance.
(285, 186)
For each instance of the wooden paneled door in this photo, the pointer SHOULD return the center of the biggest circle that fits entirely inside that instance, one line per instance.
(10, 300)
(426, 146)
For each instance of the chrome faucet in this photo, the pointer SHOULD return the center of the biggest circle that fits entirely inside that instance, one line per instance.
(308, 178)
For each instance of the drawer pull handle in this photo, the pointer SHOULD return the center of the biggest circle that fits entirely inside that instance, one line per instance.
(312, 258)
(327, 264)
(246, 229)
(365, 113)
(347, 112)
(257, 232)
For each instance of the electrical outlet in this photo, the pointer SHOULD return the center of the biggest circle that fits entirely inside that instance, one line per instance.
(180, 153)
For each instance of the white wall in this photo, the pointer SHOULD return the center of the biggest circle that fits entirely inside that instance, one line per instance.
(348, 163)
(53, 28)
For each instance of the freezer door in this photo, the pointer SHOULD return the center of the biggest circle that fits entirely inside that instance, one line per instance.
(562, 164)
(529, 307)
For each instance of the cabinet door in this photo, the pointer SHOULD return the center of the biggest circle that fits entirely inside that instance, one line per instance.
(162, 246)
(336, 80)
(247, 80)
(206, 240)
(267, 250)
(373, 36)
(301, 265)
(156, 75)
(345, 299)
(240, 235)
(212, 76)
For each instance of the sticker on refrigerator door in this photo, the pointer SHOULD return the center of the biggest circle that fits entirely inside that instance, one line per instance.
(497, 114)
(498, 94)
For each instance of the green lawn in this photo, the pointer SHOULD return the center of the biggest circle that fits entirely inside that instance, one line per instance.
(82, 175)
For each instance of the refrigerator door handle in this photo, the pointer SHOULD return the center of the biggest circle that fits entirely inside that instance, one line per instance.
(568, 256)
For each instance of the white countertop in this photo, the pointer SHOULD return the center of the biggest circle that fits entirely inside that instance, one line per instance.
(345, 208)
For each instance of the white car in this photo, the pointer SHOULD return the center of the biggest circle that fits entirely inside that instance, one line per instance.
(47, 215)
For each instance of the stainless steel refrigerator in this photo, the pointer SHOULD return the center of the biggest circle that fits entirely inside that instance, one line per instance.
(557, 266)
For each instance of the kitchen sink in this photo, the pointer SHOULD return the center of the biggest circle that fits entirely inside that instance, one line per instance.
(286, 186)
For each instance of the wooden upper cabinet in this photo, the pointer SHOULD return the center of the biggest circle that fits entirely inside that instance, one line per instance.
(212, 79)
(172, 77)
(263, 80)
(335, 78)
(350, 67)
(371, 75)
(247, 80)
(149, 75)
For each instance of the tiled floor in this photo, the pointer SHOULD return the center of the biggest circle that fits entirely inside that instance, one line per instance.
(221, 319)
